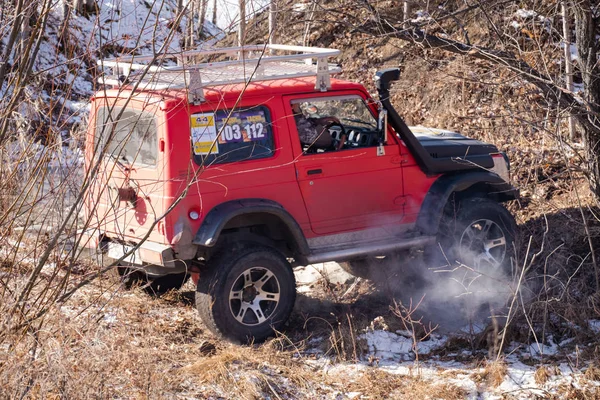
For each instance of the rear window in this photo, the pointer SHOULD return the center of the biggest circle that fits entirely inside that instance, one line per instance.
(126, 134)
(228, 136)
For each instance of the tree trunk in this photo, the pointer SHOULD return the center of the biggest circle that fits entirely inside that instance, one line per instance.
(214, 13)
(568, 64)
(272, 21)
(12, 39)
(587, 47)
(406, 14)
(188, 39)
(201, 19)
(78, 6)
(21, 50)
(242, 24)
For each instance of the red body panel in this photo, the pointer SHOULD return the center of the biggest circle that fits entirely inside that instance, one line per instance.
(356, 188)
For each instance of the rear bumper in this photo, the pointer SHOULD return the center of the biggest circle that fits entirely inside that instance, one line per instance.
(155, 258)
(140, 254)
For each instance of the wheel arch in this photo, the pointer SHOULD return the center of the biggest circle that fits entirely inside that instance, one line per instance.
(464, 185)
(277, 222)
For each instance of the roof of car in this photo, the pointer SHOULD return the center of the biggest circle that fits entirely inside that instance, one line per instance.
(232, 92)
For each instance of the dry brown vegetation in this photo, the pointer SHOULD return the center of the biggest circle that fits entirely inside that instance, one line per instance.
(106, 342)
(493, 374)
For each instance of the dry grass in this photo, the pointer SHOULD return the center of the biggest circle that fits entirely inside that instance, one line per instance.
(544, 373)
(108, 342)
(568, 391)
(592, 373)
(381, 385)
(493, 373)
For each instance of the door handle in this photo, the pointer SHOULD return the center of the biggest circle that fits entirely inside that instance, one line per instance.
(314, 171)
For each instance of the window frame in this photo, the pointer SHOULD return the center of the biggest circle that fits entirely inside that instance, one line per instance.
(199, 159)
(115, 110)
(316, 99)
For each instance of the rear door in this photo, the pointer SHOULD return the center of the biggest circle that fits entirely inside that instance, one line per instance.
(127, 190)
(356, 187)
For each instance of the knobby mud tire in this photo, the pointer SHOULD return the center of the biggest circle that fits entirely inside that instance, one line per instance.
(216, 285)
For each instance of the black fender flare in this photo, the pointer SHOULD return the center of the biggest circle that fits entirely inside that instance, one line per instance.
(216, 219)
(436, 199)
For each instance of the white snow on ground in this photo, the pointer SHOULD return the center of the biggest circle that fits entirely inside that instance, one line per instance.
(519, 381)
(529, 16)
(539, 350)
(396, 353)
(121, 27)
(523, 13)
(134, 24)
(422, 16)
(594, 325)
(28, 154)
(395, 347)
(572, 50)
(306, 277)
(301, 7)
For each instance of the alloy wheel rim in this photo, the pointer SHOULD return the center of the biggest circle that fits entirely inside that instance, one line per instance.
(254, 296)
(483, 245)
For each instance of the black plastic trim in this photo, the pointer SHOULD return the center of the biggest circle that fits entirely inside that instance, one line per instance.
(429, 165)
(210, 230)
(436, 199)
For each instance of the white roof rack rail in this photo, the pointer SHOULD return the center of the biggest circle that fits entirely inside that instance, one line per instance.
(246, 63)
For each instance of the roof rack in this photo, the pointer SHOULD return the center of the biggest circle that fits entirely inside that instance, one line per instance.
(244, 64)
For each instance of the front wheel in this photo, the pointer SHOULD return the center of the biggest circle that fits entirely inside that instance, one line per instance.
(246, 295)
(480, 236)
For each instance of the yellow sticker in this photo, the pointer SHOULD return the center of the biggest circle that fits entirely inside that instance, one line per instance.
(202, 120)
(204, 134)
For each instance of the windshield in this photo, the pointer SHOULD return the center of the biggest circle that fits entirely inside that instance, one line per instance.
(127, 135)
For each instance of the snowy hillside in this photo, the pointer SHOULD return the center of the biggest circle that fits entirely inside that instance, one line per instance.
(65, 66)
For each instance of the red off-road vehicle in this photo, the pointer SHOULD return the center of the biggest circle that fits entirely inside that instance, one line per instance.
(199, 169)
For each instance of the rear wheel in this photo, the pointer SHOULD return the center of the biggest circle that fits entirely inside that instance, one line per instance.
(246, 295)
(131, 277)
(163, 284)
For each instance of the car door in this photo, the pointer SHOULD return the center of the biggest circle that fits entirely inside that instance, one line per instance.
(357, 187)
(127, 192)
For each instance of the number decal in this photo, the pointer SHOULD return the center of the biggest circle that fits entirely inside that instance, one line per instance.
(237, 134)
(228, 133)
(245, 126)
(255, 131)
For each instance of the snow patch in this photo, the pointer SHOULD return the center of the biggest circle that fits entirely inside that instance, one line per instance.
(422, 16)
(594, 325)
(300, 7)
(572, 50)
(307, 276)
(525, 14)
(539, 349)
(394, 347)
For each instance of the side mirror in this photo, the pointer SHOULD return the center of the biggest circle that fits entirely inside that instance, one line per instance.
(382, 124)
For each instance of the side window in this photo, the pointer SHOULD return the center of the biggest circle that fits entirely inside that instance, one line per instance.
(333, 124)
(126, 134)
(232, 135)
